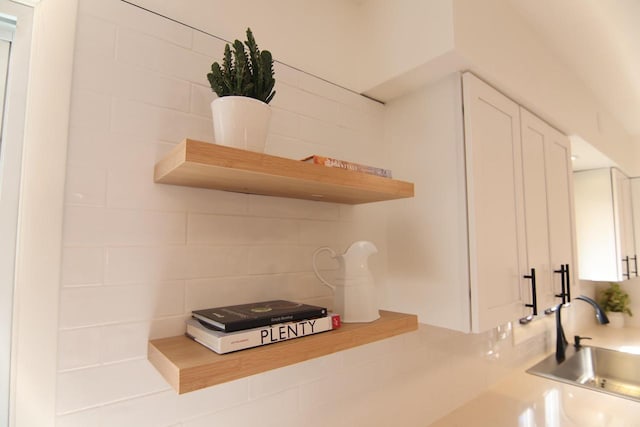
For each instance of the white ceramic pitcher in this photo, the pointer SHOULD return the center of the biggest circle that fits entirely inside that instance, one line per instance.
(354, 291)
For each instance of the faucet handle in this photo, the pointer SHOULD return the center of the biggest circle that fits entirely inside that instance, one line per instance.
(577, 339)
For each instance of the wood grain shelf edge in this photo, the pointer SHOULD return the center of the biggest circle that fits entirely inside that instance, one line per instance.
(201, 164)
(188, 366)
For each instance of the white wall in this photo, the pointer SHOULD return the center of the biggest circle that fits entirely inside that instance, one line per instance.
(387, 49)
(503, 50)
(320, 37)
(138, 257)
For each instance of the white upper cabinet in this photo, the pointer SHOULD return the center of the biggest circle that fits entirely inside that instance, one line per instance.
(457, 251)
(492, 202)
(604, 225)
(549, 210)
(495, 204)
(635, 210)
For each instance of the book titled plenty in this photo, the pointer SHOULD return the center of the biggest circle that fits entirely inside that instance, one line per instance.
(246, 316)
(343, 164)
(226, 342)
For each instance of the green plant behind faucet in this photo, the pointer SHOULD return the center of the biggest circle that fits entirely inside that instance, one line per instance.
(614, 299)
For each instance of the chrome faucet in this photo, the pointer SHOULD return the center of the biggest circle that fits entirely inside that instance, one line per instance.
(561, 340)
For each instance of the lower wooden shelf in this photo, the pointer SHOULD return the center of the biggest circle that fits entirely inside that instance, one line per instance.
(189, 366)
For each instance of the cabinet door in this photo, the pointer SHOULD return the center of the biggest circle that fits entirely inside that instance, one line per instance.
(623, 223)
(635, 215)
(561, 221)
(495, 206)
(602, 224)
(534, 147)
(546, 161)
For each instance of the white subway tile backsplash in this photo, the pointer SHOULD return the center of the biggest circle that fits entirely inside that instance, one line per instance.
(320, 87)
(325, 233)
(78, 348)
(276, 259)
(95, 38)
(132, 227)
(318, 107)
(99, 305)
(162, 327)
(292, 208)
(89, 417)
(82, 266)
(318, 132)
(290, 148)
(87, 148)
(91, 387)
(284, 123)
(286, 74)
(158, 55)
(86, 186)
(143, 120)
(124, 341)
(144, 264)
(156, 410)
(280, 408)
(83, 226)
(215, 261)
(212, 399)
(201, 99)
(288, 377)
(129, 16)
(170, 298)
(90, 110)
(135, 83)
(207, 45)
(224, 230)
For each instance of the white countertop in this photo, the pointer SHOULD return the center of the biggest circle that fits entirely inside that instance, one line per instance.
(526, 400)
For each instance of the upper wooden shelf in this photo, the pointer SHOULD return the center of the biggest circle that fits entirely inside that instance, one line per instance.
(189, 366)
(201, 164)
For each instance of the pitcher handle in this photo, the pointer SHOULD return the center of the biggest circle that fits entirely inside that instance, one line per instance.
(315, 267)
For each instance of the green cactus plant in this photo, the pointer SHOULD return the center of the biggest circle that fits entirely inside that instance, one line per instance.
(615, 300)
(243, 74)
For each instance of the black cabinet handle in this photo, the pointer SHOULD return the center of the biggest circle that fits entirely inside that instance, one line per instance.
(635, 263)
(563, 292)
(534, 296)
(627, 274)
(568, 285)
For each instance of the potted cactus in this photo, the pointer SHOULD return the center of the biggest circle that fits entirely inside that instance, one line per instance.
(244, 84)
(615, 302)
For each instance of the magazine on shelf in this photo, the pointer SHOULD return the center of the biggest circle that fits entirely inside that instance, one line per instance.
(246, 316)
(343, 164)
(226, 342)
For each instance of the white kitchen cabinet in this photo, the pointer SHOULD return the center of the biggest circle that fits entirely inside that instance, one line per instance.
(493, 200)
(548, 210)
(635, 211)
(457, 250)
(604, 225)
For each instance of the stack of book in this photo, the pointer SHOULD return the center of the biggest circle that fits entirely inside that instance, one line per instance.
(343, 164)
(238, 327)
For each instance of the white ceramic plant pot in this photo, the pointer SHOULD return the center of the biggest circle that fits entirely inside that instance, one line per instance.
(240, 122)
(616, 320)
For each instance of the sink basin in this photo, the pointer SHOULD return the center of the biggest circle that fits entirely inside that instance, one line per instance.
(608, 371)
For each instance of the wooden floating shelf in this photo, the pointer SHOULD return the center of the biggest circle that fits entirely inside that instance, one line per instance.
(189, 366)
(201, 164)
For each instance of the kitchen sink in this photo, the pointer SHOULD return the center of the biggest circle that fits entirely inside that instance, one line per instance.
(608, 371)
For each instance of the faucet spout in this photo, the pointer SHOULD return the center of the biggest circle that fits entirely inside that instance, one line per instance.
(561, 340)
(600, 314)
